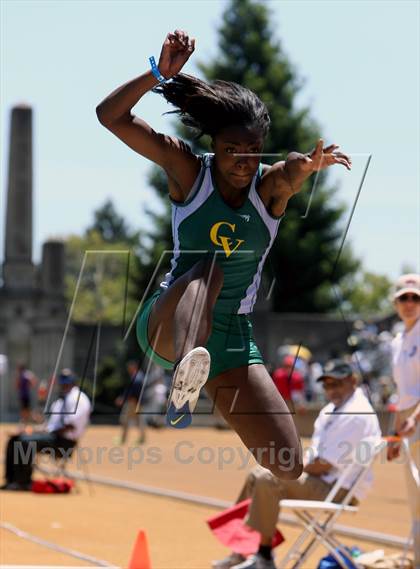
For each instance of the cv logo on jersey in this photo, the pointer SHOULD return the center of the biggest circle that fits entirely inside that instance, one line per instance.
(218, 236)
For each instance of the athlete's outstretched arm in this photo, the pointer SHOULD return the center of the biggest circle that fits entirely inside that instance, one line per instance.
(289, 175)
(114, 112)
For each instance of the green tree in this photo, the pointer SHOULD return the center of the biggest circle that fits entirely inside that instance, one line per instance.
(112, 226)
(102, 270)
(306, 258)
(367, 294)
(96, 278)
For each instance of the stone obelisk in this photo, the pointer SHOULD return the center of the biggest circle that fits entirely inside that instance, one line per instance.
(18, 269)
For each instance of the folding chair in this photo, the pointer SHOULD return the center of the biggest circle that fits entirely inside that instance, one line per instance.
(318, 518)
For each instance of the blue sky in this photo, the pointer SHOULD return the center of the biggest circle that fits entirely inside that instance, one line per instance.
(360, 66)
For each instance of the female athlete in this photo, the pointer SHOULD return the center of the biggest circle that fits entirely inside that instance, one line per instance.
(226, 210)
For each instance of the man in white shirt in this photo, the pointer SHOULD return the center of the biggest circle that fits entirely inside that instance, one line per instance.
(341, 425)
(406, 372)
(69, 418)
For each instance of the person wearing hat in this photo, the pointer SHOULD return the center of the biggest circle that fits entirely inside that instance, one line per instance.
(341, 425)
(406, 374)
(69, 416)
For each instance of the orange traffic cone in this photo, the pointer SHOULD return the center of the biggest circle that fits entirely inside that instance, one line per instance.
(140, 558)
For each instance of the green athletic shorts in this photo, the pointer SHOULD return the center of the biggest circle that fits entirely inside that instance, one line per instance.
(230, 345)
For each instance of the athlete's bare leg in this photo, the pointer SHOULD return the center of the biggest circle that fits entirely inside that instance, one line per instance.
(181, 318)
(250, 402)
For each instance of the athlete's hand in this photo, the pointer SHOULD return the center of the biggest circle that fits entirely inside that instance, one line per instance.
(321, 158)
(176, 50)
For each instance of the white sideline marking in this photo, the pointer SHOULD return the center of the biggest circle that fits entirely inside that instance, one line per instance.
(54, 547)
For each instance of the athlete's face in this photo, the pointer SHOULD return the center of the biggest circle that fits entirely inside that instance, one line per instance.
(237, 152)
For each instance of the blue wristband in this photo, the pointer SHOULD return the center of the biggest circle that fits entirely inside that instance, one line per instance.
(156, 72)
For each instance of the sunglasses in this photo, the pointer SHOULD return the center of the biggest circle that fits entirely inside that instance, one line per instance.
(333, 385)
(408, 297)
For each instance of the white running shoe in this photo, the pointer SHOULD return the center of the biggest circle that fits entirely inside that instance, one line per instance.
(190, 375)
(229, 561)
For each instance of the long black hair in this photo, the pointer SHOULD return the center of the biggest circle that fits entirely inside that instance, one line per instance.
(209, 107)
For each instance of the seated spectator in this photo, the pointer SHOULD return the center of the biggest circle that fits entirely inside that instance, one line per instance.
(347, 418)
(290, 383)
(69, 418)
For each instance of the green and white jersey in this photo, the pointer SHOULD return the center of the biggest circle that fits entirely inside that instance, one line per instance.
(241, 239)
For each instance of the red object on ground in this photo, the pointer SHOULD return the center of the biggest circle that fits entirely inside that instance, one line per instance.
(140, 558)
(231, 531)
(52, 486)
